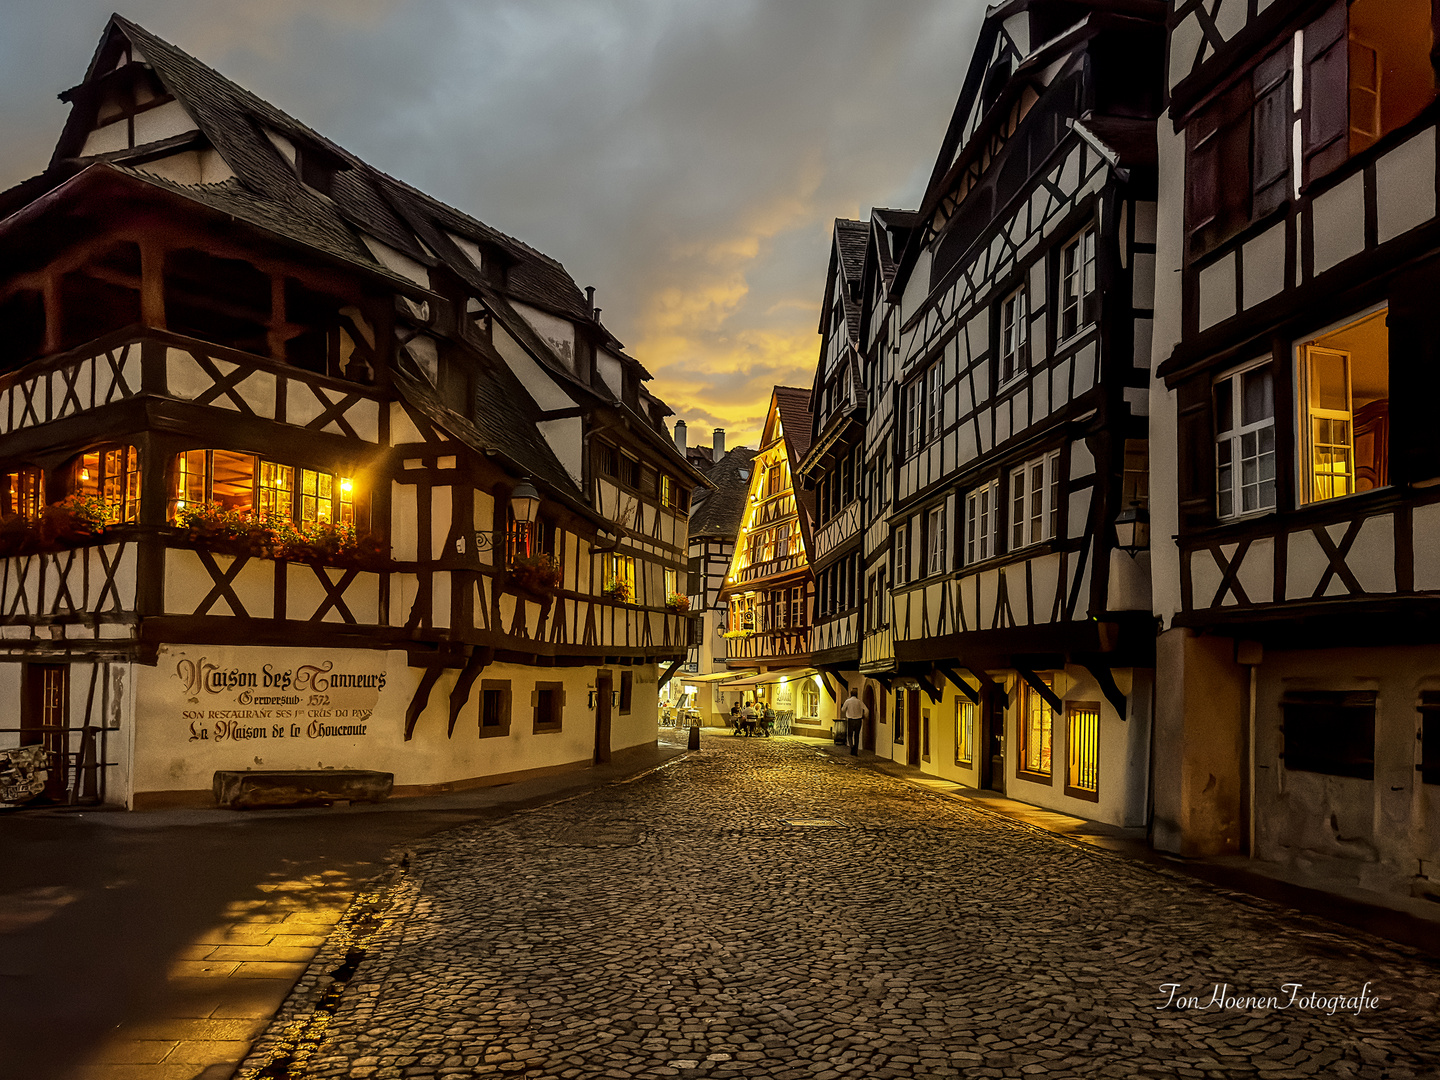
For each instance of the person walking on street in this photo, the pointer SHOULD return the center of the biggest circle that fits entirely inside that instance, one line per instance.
(854, 711)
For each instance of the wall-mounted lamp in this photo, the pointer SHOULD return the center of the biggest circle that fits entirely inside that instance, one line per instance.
(1132, 529)
(524, 506)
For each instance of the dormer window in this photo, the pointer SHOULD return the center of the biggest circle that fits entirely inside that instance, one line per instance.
(317, 167)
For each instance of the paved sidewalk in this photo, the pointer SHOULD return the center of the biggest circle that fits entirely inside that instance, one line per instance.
(1406, 921)
(764, 908)
(157, 945)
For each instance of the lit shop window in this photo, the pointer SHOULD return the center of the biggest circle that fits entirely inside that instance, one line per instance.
(23, 490)
(1037, 725)
(1082, 739)
(247, 484)
(964, 732)
(111, 474)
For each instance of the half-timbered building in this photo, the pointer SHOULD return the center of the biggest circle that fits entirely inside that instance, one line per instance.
(835, 463)
(769, 588)
(1296, 362)
(715, 519)
(305, 470)
(1006, 362)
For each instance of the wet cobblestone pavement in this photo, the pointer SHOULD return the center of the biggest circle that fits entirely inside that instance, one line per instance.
(759, 909)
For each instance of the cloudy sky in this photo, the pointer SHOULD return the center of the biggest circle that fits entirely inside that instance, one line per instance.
(686, 157)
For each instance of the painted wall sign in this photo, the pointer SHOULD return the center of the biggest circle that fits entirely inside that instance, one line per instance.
(277, 701)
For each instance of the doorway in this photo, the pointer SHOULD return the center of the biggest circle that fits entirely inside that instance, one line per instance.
(867, 733)
(604, 684)
(45, 720)
(992, 756)
(912, 728)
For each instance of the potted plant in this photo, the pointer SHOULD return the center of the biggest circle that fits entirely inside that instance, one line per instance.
(618, 591)
(678, 602)
(537, 574)
(218, 528)
(78, 517)
(14, 532)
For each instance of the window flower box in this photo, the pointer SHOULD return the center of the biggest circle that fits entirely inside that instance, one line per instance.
(678, 602)
(235, 532)
(538, 575)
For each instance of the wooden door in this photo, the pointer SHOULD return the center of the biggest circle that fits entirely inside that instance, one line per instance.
(604, 684)
(45, 720)
(867, 733)
(912, 728)
(992, 739)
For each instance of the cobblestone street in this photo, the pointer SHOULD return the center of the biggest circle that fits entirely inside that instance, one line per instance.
(760, 909)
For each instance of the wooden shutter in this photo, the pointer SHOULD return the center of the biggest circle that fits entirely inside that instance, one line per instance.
(1196, 450)
(1270, 138)
(1327, 92)
(1414, 375)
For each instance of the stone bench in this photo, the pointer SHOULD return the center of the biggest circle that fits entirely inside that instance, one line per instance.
(300, 787)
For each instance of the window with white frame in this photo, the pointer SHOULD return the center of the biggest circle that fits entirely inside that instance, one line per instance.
(932, 402)
(935, 540)
(1014, 334)
(1344, 390)
(982, 523)
(1245, 442)
(901, 573)
(1078, 294)
(914, 392)
(1035, 501)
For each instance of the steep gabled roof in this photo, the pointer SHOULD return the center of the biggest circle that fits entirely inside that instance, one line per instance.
(850, 240)
(793, 405)
(235, 121)
(265, 147)
(723, 509)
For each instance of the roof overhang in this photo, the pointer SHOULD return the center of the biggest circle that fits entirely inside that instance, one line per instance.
(826, 447)
(99, 192)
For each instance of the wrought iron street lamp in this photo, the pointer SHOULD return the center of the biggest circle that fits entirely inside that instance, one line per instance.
(524, 507)
(1132, 529)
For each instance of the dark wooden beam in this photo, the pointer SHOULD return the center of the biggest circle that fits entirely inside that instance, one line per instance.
(669, 674)
(1040, 688)
(838, 673)
(1106, 678)
(478, 661)
(421, 698)
(829, 689)
(965, 688)
(931, 690)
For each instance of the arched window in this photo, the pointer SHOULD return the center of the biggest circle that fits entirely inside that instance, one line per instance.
(111, 474)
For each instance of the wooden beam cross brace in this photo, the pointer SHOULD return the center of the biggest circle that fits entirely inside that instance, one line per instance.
(965, 688)
(931, 690)
(669, 673)
(1106, 678)
(474, 665)
(1040, 688)
(421, 698)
